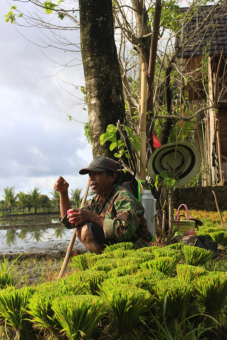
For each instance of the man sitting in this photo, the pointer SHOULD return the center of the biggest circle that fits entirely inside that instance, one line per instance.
(113, 215)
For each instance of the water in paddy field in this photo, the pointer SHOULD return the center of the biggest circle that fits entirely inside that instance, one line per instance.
(26, 234)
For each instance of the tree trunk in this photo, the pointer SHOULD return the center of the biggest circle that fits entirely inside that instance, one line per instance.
(168, 122)
(101, 70)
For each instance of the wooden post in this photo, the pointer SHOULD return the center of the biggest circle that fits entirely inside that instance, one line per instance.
(143, 113)
(71, 243)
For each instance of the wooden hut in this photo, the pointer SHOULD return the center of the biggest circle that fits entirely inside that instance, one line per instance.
(202, 58)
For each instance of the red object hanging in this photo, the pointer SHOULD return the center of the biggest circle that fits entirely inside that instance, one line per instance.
(156, 142)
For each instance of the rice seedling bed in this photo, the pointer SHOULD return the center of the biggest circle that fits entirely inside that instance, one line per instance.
(174, 292)
(116, 295)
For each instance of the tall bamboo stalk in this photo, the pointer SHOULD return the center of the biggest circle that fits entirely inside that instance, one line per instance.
(143, 121)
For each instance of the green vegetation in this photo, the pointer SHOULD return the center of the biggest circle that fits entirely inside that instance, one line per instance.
(123, 293)
(34, 202)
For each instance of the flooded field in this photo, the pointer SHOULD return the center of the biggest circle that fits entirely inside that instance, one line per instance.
(41, 233)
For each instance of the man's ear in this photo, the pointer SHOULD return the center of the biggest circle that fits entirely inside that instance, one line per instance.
(114, 176)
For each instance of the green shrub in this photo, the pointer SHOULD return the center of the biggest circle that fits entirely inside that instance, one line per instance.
(127, 308)
(165, 265)
(189, 273)
(196, 256)
(78, 315)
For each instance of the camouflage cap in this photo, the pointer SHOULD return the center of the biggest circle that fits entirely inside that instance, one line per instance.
(100, 163)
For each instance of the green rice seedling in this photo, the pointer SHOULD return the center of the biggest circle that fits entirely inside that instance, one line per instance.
(131, 260)
(84, 261)
(172, 297)
(120, 253)
(218, 265)
(145, 249)
(79, 315)
(7, 277)
(184, 330)
(196, 256)
(89, 279)
(206, 235)
(213, 229)
(168, 252)
(104, 265)
(212, 293)
(122, 246)
(13, 309)
(124, 270)
(140, 280)
(127, 308)
(151, 274)
(113, 282)
(188, 273)
(220, 237)
(142, 254)
(165, 265)
(40, 306)
(176, 246)
(103, 260)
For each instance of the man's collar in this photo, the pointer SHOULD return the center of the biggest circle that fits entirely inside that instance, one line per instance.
(110, 193)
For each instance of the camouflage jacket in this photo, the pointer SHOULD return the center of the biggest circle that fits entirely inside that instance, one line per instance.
(123, 215)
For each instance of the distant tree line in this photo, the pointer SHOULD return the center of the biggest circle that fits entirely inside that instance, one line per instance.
(34, 201)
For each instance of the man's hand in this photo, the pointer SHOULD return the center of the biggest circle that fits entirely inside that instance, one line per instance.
(61, 185)
(81, 216)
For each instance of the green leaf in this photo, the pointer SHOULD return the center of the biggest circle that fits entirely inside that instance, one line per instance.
(113, 146)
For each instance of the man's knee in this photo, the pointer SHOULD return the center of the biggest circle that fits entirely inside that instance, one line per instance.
(83, 234)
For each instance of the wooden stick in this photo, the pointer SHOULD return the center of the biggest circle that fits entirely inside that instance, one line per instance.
(71, 243)
(217, 206)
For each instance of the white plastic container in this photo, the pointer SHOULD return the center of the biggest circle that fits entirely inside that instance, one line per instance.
(149, 204)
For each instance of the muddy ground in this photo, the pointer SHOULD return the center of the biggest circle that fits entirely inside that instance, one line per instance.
(35, 268)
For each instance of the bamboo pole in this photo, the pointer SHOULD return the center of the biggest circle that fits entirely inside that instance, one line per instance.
(143, 121)
(71, 243)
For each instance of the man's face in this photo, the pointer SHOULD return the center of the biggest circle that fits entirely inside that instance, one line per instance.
(100, 182)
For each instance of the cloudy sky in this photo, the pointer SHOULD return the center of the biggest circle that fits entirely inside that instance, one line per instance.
(37, 141)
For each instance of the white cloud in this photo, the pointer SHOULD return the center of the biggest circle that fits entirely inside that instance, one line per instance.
(38, 143)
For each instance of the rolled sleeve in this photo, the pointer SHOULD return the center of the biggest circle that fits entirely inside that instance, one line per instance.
(65, 222)
(118, 229)
(108, 228)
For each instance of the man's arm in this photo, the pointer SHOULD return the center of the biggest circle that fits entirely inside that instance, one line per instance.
(81, 216)
(62, 187)
(126, 220)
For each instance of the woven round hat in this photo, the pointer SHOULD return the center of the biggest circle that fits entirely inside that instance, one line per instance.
(181, 158)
